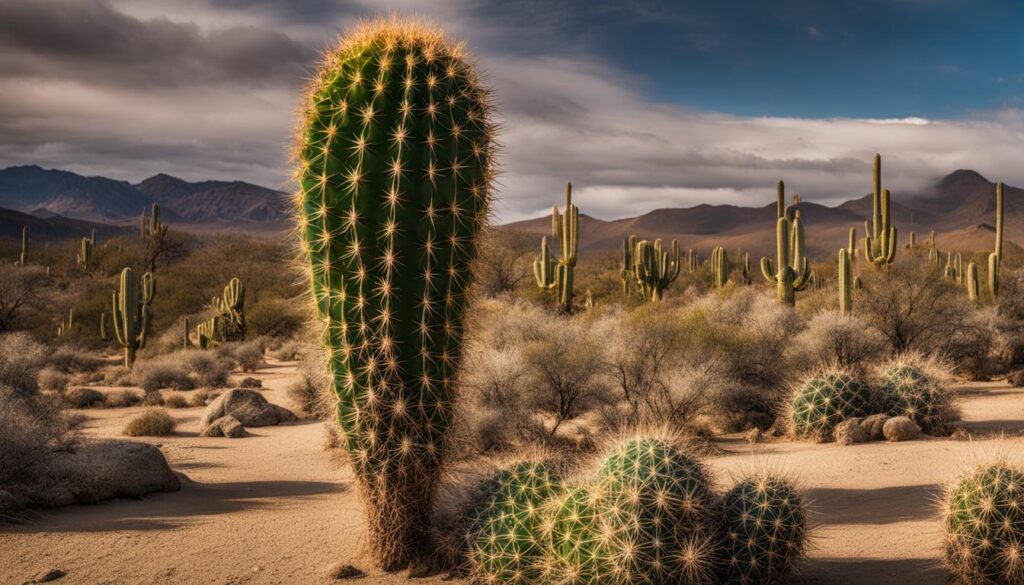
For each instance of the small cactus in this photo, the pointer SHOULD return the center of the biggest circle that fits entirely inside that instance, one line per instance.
(230, 309)
(84, 258)
(153, 232)
(845, 273)
(655, 268)
(506, 536)
(984, 522)
(996, 257)
(972, 282)
(206, 333)
(545, 268)
(825, 400)
(765, 531)
(67, 324)
(23, 257)
(720, 267)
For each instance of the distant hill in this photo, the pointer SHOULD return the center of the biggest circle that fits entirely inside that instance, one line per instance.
(43, 192)
(960, 207)
(55, 227)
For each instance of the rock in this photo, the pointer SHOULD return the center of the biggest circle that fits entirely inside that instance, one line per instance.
(345, 571)
(850, 431)
(873, 426)
(250, 382)
(225, 426)
(755, 436)
(47, 576)
(900, 428)
(248, 406)
(99, 471)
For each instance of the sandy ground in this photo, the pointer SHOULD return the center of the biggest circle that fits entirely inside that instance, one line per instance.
(273, 508)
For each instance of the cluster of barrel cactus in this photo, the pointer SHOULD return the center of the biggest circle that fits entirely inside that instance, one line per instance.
(908, 390)
(395, 172)
(132, 313)
(649, 514)
(824, 400)
(984, 522)
(558, 273)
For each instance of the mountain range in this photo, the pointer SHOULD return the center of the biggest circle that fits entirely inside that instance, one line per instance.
(960, 207)
(50, 192)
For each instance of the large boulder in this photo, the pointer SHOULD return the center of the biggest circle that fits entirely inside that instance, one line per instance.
(99, 471)
(225, 426)
(900, 428)
(247, 406)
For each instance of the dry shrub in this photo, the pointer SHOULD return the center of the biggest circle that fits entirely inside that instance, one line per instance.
(974, 347)
(122, 399)
(249, 355)
(154, 422)
(176, 400)
(118, 376)
(83, 398)
(73, 358)
(834, 338)
(289, 351)
(203, 397)
(154, 398)
(21, 358)
(52, 380)
(312, 394)
(183, 370)
(32, 427)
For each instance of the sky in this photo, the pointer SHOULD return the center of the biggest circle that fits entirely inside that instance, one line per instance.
(642, 104)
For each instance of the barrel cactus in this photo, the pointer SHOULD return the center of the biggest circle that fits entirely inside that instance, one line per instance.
(578, 547)
(910, 390)
(660, 514)
(765, 522)
(506, 536)
(824, 400)
(984, 521)
(395, 172)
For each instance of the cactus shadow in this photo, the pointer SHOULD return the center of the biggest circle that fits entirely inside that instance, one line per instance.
(840, 571)
(885, 505)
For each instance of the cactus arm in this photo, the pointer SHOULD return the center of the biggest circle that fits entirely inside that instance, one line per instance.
(972, 282)
(780, 200)
(767, 270)
(845, 273)
(876, 197)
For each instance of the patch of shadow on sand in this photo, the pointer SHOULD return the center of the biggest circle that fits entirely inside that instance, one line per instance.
(874, 506)
(839, 571)
(172, 510)
(992, 427)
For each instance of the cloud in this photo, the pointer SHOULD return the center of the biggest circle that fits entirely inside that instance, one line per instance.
(211, 90)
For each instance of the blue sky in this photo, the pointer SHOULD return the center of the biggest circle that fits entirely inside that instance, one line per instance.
(642, 104)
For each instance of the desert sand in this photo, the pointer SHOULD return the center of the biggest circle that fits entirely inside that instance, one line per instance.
(275, 508)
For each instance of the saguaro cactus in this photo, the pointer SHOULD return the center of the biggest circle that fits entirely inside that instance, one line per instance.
(67, 324)
(972, 282)
(230, 308)
(845, 282)
(84, 258)
(996, 257)
(206, 333)
(395, 172)
(132, 313)
(104, 332)
(565, 229)
(154, 232)
(654, 268)
(626, 274)
(793, 270)
(23, 257)
(720, 266)
(880, 238)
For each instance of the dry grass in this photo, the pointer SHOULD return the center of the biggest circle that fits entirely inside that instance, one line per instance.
(154, 422)
(83, 398)
(176, 400)
(122, 399)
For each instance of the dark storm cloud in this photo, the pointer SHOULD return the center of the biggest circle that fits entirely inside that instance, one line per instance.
(91, 42)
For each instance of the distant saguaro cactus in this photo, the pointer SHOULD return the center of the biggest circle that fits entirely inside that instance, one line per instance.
(67, 324)
(845, 282)
(132, 312)
(154, 233)
(655, 268)
(719, 267)
(565, 228)
(395, 172)
(880, 238)
(972, 282)
(996, 257)
(84, 258)
(23, 257)
(793, 271)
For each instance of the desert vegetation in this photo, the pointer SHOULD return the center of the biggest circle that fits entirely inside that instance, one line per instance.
(508, 413)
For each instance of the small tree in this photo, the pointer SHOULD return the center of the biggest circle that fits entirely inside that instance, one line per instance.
(21, 289)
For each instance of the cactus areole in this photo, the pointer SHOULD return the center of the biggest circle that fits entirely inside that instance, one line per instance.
(395, 170)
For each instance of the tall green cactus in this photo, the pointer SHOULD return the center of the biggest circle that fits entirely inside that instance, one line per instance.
(132, 313)
(719, 267)
(845, 282)
(84, 258)
(996, 257)
(793, 271)
(626, 272)
(230, 308)
(23, 257)
(565, 228)
(545, 268)
(395, 181)
(655, 268)
(745, 274)
(880, 241)
(972, 282)
(154, 233)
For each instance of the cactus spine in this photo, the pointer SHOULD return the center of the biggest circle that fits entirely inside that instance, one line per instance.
(996, 257)
(720, 266)
(791, 272)
(972, 282)
(395, 179)
(132, 312)
(154, 232)
(654, 268)
(84, 258)
(845, 282)
(880, 241)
